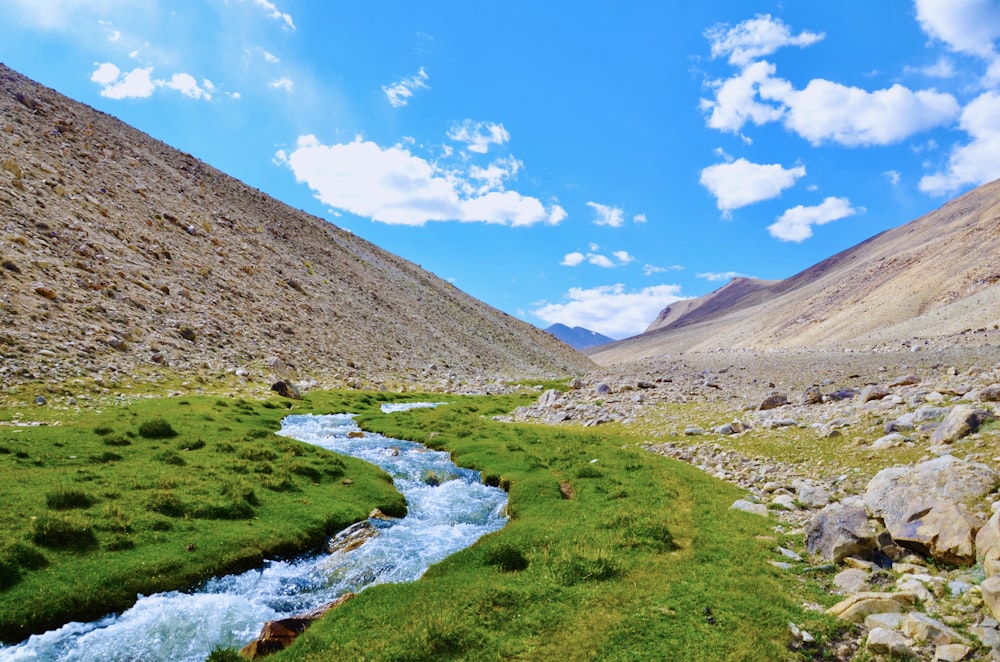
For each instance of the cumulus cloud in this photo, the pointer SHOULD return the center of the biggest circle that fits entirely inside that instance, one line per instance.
(392, 185)
(284, 83)
(718, 276)
(573, 259)
(796, 223)
(830, 112)
(970, 26)
(136, 84)
(738, 99)
(639, 218)
(400, 92)
(607, 215)
(754, 38)
(188, 86)
(623, 257)
(975, 162)
(478, 135)
(825, 111)
(599, 260)
(740, 183)
(610, 309)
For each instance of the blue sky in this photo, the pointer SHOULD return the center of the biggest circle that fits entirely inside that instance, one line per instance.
(577, 162)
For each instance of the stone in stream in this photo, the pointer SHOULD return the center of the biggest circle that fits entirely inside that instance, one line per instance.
(279, 635)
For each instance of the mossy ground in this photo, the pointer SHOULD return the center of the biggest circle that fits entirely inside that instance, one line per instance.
(643, 560)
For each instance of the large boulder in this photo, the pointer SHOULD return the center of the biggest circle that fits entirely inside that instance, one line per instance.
(923, 506)
(988, 546)
(960, 421)
(840, 530)
(858, 606)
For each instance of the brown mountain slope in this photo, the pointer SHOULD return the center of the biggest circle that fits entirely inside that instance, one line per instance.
(934, 277)
(122, 256)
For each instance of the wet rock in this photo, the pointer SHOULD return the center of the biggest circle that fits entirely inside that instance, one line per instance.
(278, 635)
(960, 421)
(351, 538)
(840, 530)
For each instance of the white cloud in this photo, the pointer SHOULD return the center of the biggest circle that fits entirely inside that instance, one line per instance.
(284, 83)
(975, 162)
(105, 74)
(479, 135)
(717, 276)
(830, 112)
(610, 309)
(943, 68)
(639, 218)
(737, 99)
(275, 13)
(399, 93)
(188, 86)
(650, 269)
(893, 176)
(623, 257)
(606, 215)
(825, 111)
(754, 38)
(494, 175)
(391, 185)
(270, 57)
(599, 260)
(136, 84)
(796, 223)
(572, 259)
(741, 183)
(967, 26)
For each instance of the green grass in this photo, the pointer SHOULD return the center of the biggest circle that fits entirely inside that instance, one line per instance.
(161, 493)
(645, 561)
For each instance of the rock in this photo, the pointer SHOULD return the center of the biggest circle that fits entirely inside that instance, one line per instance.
(840, 530)
(873, 392)
(40, 400)
(278, 635)
(811, 396)
(187, 333)
(883, 641)
(693, 431)
(811, 495)
(892, 440)
(904, 380)
(773, 401)
(960, 421)
(280, 369)
(549, 398)
(850, 581)
(922, 506)
(988, 545)
(921, 628)
(991, 594)
(858, 606)
(990, 393)
(749, 507)
(286, 390)
(891, 620)
(352, 537)
(951, 653)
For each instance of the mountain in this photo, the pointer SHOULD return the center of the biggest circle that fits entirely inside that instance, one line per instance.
(578, 337)
(123, 258)
(934, 280)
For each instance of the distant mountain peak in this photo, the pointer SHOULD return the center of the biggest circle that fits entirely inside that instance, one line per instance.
(578, 337)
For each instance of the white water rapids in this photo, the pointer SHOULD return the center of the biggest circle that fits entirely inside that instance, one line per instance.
(229, 611)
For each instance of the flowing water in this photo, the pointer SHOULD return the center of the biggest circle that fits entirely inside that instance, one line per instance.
(448, 510)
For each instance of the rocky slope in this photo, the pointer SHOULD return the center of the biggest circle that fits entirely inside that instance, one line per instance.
(928, 281)
(123, 257)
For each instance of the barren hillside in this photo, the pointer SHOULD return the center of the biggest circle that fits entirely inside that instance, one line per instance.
(122, 256)
(933, 280)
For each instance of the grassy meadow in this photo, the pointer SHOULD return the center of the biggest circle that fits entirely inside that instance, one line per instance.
(610, 553)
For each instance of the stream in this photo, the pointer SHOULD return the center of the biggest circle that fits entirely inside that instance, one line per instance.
(448, 510)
